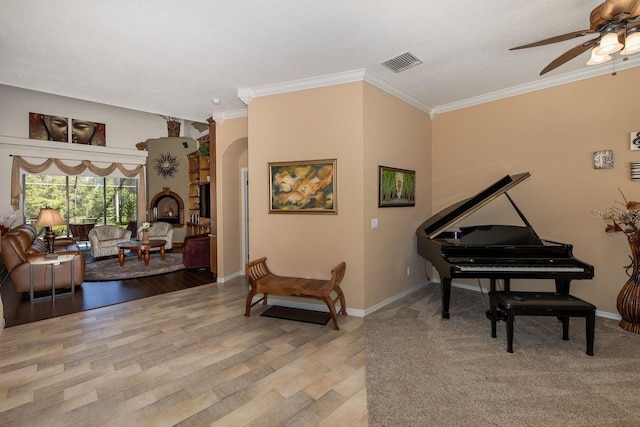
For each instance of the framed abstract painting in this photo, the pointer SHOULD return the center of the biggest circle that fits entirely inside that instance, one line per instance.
(303, 187)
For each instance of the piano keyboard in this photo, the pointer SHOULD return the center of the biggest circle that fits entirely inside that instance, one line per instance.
(520, 268)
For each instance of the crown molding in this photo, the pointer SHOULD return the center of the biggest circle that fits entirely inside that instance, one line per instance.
(247, 94)
(585, 73)
(219, 118)
(385, 86)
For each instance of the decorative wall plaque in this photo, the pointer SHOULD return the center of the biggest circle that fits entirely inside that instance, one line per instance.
(603, 159)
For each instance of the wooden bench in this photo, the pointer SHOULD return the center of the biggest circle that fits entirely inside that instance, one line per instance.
(563, 306)
(264, 282)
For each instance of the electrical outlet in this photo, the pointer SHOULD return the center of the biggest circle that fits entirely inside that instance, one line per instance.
(408, 271)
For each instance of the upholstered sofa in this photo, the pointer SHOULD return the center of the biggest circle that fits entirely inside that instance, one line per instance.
(104, 239)
(160, 231)
(196, 251)
(21, 243)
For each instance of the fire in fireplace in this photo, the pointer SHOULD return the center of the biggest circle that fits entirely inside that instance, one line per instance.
(167, 206)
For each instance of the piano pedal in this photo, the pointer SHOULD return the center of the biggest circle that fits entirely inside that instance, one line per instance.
(500, 315)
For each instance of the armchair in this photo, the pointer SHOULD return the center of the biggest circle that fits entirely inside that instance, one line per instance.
(80, 232)
(196, 251)
(161, 231)
(104, 239)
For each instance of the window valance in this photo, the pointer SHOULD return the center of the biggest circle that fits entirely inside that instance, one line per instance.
(20, 163)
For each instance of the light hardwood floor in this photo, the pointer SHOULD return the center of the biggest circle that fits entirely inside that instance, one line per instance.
(188, 358)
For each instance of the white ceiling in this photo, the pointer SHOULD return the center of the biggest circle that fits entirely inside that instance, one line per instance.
(172, 57)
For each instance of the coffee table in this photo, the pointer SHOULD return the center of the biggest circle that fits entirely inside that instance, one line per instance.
(141, 248)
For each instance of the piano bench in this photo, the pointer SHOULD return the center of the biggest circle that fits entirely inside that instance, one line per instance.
(563, 306)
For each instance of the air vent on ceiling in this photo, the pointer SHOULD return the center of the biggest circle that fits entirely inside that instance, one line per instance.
(402, 62)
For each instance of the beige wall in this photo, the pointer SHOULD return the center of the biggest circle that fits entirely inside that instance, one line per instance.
(395, 135)
(231, 156)
(553, 134)
(314, 124)
(362, 127)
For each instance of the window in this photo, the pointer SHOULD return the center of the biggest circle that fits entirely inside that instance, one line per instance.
(81, 199)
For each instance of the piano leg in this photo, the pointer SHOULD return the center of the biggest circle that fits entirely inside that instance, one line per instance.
(562, 286)
(506, 282)
(445, 291)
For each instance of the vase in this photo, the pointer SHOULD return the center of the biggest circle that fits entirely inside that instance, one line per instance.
(145, 237)
(628, 302)
(173, 128)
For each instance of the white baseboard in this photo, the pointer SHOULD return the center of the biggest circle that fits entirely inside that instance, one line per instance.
(395, 298)
(362, 313)
(230, 277)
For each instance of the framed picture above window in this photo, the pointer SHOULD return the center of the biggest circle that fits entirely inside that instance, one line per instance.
(89, 133)
(303, 187)
(48, 128)
(396, 187)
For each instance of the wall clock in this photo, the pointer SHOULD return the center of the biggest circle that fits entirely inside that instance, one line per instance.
(166, 165)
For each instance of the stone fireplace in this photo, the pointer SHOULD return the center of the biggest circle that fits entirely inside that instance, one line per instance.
(167, 206)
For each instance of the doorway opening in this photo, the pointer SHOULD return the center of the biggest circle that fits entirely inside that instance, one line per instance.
(244, 186)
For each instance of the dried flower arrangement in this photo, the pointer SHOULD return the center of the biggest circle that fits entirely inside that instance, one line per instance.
(625, 219)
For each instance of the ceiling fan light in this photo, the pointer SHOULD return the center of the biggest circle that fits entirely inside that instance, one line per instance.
(597, 59)
(609, 44)
(631, 44)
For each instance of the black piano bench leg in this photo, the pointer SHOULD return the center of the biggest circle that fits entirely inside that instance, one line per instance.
(565, 327)
(494, 319)
(510, 318)
(591, 331)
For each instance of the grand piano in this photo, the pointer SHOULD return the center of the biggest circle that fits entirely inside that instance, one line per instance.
(494, 251)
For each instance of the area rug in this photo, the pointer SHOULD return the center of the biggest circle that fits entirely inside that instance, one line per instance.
(109, 269)
(297, 314)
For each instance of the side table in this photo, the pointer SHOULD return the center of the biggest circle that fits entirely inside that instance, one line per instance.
(42, 260)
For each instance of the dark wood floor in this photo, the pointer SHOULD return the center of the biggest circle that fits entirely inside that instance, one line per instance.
(19, 310)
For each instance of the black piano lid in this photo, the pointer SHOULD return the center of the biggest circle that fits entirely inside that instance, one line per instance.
(458, 211)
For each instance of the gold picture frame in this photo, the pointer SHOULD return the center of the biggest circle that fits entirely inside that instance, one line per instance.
(303, 187)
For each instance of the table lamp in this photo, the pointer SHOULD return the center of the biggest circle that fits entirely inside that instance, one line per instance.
(48, 217)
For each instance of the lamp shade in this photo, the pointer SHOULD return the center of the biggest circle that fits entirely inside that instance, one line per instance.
(597, 59)
(48, 217)
(609, 44)
(631, 44)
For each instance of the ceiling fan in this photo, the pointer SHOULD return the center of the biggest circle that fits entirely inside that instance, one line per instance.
(618, 25)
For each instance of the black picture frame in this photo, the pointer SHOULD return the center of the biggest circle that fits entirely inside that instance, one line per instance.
(396, 187)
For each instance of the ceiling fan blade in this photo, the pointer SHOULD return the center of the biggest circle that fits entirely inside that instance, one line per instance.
(612, 8)
(556, 39)
(569, 55)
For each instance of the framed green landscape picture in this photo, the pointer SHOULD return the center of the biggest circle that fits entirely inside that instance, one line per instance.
(397, 187)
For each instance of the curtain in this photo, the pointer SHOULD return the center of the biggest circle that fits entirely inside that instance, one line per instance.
(20, 163)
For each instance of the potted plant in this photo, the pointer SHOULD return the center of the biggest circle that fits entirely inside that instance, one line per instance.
(203, 150)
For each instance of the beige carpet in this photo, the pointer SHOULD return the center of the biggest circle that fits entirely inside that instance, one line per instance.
(109, 269)
(422, 371)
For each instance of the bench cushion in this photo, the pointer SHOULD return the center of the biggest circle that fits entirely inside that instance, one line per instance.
(552, 302)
